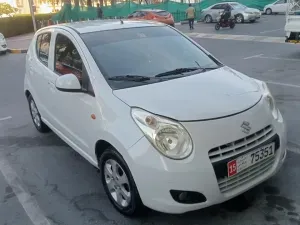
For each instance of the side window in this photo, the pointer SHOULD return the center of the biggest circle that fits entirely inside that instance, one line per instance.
(216, 6)
(42, 47)
(142, 14)
(67, 60)
(222, 6)
(38, 44)
(280, 2)
(134, 14)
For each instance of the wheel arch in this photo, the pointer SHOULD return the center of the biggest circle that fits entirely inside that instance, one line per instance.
(101, 146)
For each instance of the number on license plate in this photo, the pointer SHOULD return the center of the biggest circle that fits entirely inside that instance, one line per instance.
(243, 162)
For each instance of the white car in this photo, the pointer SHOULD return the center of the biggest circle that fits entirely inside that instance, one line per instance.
(279, 6)
(3, 44)
(168, 125)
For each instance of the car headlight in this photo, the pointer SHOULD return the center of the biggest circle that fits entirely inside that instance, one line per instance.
(269, 99)
(169, 137)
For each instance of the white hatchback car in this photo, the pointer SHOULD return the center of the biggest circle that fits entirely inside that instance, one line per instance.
(168, 125)
(279, 6)
(3, 44)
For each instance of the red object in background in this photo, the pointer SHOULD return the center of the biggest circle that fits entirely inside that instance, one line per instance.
(232, 168)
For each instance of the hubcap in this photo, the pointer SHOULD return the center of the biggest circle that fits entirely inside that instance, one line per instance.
(268, 11)
(207, 19)
(35, 114)
(239, 19)
(117, 183)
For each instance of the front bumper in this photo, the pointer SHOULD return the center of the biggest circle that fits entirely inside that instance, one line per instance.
(155, 175)
(249, 17)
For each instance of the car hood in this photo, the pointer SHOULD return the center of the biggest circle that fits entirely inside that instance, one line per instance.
(213, 94)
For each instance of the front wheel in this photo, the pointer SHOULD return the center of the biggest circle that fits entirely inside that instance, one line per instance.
(232, 25)
(239, 18)
(217, 26)
(119, 184)
(268, 11)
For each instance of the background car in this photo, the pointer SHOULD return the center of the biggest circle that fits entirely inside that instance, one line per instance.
(279, 6)
(3, 45)
(241, 12)
(153, 14)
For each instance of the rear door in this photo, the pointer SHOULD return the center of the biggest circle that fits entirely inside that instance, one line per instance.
(38, 68)
(215, 11)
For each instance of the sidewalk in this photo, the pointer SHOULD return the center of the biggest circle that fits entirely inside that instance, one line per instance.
(19, 42)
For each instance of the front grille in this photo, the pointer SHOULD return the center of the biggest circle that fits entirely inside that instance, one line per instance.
(239, 146)
(227, 184)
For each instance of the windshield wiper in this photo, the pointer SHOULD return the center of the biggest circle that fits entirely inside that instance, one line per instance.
(178, 71)
(135, 78)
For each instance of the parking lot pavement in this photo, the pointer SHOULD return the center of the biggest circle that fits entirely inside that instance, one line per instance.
(53, 185)
(268, 25)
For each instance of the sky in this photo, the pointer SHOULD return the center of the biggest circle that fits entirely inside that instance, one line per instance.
(11, 2)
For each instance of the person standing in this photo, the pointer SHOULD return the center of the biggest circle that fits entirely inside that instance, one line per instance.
(190, 12)
(99, 11)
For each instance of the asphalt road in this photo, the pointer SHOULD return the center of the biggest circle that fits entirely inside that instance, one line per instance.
(268, 25)
(44, 182)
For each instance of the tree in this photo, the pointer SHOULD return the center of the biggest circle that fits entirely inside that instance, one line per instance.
(7, 9)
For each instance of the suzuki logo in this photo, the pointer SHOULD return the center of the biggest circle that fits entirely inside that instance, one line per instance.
(246, 127)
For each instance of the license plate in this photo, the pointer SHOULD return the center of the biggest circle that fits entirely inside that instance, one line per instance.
(243, 162)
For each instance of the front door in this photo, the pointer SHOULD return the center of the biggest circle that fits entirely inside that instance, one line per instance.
(280, 6)
(74, 112)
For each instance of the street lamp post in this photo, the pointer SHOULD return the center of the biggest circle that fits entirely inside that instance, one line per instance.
(32, 14)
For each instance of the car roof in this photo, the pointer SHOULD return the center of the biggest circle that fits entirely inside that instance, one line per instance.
(103, 25)
(227, 3)
(152, 10)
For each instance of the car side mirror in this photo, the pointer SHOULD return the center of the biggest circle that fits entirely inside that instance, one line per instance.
(68, 83)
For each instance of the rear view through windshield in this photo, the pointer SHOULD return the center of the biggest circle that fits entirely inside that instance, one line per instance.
(144, 51)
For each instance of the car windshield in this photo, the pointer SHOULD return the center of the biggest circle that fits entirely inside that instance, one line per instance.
(238, 6)
(139, 56)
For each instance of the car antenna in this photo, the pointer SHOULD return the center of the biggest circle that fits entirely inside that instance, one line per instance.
(122, 22)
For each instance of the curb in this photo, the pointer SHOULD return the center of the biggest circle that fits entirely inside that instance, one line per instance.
(17, 51)
(186, 22)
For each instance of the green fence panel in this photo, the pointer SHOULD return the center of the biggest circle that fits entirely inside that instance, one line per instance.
(121, 10)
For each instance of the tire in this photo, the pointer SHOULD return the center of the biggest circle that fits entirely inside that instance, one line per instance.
(36, 116)
(239, 18)
(232, 25)
(252, 21)
(3, 53)
(217, 26)
(208, 19)
(269, 11)
(134, 205)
